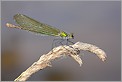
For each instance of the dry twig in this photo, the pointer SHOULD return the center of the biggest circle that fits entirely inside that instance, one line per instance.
(45, 60)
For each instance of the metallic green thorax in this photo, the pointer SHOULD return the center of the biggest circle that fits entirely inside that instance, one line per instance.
(27, 23)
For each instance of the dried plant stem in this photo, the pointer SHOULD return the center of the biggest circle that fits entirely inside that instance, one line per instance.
(45, 60)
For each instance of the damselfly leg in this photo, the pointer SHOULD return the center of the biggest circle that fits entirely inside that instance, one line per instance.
(62, 42)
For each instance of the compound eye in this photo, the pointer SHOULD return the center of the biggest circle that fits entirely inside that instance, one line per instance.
(72, 36)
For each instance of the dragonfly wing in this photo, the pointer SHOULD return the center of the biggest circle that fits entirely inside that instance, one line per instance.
(32, 25)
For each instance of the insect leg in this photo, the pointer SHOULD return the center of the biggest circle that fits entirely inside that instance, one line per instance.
(69, 41)
(55, 41)
(78, 51)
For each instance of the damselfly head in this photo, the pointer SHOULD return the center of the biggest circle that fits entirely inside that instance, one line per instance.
(71, 35)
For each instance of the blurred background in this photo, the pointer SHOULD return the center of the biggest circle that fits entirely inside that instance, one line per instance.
(94, 22)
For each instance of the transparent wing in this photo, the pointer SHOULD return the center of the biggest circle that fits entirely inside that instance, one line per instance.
(32, 25)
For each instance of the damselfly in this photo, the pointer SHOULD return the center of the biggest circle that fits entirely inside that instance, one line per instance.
(26, 23)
